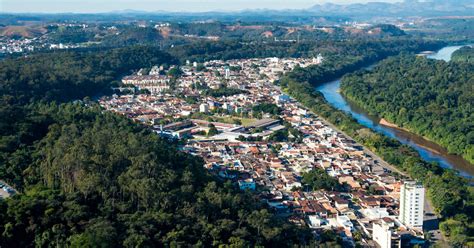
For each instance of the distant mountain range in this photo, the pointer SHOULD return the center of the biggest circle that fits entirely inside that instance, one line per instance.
(406, 8)
(322, 13)
(371, 9)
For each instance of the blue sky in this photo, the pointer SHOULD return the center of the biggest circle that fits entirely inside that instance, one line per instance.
(92, 6)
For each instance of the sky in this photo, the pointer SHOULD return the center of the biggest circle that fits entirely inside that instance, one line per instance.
(95, 6)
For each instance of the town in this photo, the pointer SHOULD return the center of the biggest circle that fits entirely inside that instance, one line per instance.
(234, 115)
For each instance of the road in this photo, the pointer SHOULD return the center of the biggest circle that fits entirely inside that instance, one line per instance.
(381, 162)
(430, 220)
(373, 155)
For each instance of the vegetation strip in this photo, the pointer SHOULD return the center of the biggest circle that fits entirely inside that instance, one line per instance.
(450, 194)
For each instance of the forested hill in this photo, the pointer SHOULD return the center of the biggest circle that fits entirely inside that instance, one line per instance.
(96, 179)
(464, 54)
(63, 76)
(451, 195)
(340, 53)
(89, 178)
(353, 55)
(432, 98)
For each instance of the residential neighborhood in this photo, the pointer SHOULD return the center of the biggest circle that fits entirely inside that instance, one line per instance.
(234, 115)
(231, 124)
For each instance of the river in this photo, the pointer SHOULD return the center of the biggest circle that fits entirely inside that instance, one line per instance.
(429, 151)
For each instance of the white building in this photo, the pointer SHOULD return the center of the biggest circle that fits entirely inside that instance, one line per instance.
(138, 80)
(382, 233)
(292, 184)
(345, 222)
(227, 72)
(412, 197)
(227, 107)
(317, 222)
(204, 108)
(155, 70)
(375, 213)
(318, 60)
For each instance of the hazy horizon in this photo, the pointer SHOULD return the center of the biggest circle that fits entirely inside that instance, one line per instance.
(91, 6)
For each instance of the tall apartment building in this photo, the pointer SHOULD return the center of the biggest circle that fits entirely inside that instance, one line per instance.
(412, 197)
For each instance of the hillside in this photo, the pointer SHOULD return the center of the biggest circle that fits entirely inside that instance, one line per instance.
(90, 178)
(401, 8)
(21, 31)
(464, 54)
(450, 195)
(431, 98)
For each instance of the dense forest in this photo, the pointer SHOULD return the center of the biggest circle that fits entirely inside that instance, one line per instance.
(91, 178)
(356, 54)
(63, 76)
(464, 54)
(118, 34)
(63, 34)
(132, 36)
(432, 98)
(456, 30)
(87, 177)
(95, 178)
(345, 53)
(450, 194)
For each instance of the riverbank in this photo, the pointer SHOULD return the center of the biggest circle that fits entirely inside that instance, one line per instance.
(447, 191)
(431, 221)
(383, 163)
(429, 118)
(428, 150)
(386, 123)
(389, 124)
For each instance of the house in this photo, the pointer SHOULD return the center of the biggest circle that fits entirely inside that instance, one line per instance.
(291, 184)
(384, 233)
(247, 184)
(317, 222)
(345, 222)
(340, 203)
(153, 83)
(281, 98)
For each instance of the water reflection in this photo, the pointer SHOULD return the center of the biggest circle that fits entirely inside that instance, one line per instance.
(429, 151)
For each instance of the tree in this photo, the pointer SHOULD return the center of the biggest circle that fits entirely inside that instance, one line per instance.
(269, 108)
(175, 72)
(428, 97)
(318, 179)
(99, 234)
(279, 136)
(212, 130)
(237, 121)
(448, 192)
